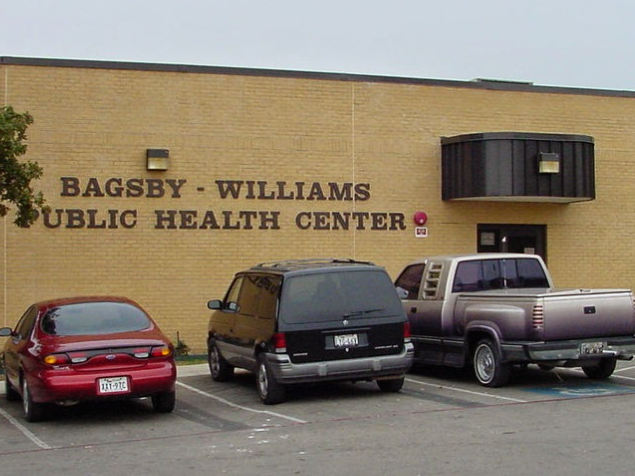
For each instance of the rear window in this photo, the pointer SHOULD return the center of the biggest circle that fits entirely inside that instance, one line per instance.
(338, 295)
(94, 318)
(483, 275)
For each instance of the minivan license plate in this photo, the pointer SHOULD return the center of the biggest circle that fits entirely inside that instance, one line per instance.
(113, 385)
(346, 340)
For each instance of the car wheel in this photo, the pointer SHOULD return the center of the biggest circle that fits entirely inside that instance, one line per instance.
(164, 402)
(10, 393)
(32, 411)
(601, 371)
(489, 370)
(219, 368)
(270, 390)
(391, 385)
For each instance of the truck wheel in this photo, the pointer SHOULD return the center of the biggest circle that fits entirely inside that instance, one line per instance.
(601, 371)
(219, 368)
(489, 370)
(270, 390)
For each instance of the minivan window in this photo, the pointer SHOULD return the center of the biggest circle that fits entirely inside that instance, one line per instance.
(93, 318)
(338, 295)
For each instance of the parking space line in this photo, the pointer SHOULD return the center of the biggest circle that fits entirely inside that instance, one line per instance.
(240, 407)
(471, 392)
(24, 431)
(623, 369)
(623, 377)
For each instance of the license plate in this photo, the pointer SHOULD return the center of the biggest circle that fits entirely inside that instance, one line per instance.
(346, 340)
(592, 348)
(112, 385)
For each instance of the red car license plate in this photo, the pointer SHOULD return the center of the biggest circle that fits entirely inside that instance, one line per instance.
(111, 385)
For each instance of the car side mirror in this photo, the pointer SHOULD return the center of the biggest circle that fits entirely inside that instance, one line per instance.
(215, 304)
(6, 332)
(402, 293)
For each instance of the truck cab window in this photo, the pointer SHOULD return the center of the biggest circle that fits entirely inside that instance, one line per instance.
(409, 281)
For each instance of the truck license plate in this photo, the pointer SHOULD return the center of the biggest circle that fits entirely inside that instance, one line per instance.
(112, 385)
(346, 340)
(592, 348)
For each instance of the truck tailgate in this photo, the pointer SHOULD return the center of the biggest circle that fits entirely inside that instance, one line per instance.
(580, 313)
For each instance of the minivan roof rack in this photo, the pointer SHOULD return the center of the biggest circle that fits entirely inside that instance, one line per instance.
(292, 263)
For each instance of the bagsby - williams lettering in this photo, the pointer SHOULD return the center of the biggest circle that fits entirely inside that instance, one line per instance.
(117, 187)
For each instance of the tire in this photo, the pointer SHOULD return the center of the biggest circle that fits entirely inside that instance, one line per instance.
(601, 371)
(164, 402)
(269, 389)
(391, 385)
(488, 368)
(220, 370)
(10, 393)
(33, 411)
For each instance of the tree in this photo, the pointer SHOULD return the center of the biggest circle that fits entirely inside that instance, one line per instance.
(15, 176)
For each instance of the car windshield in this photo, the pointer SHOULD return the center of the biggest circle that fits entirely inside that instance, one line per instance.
(338, 295)
(93, 318)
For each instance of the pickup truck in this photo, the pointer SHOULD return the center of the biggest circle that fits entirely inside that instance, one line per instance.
(494, 311)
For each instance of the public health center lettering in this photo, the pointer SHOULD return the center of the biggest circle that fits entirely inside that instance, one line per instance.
(114, 188)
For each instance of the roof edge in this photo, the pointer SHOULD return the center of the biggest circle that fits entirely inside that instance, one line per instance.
(494, 84)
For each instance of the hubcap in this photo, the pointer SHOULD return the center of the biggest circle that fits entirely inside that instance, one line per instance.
(263, 384)
(484, 364)
(214, 363)
(25, 397)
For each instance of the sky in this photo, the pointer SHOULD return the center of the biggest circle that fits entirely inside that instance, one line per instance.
(571, 43)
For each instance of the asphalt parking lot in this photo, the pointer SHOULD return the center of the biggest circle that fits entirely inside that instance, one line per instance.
(442, 422)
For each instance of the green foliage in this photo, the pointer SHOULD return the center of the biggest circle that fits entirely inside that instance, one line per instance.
(181, 348)
(16, 176)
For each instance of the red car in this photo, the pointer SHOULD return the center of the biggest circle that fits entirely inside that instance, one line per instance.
(69, 350)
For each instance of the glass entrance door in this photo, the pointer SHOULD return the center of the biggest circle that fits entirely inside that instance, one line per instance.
(503, 238)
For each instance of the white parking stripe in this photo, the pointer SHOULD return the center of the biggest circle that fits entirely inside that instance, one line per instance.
(227, 402)
(456, 389)
(24, 431)
(623, 369)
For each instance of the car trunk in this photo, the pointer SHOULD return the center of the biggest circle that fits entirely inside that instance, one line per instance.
(107, 352)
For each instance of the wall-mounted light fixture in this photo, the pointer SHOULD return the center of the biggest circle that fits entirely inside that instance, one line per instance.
(157, 159)
(548, 163)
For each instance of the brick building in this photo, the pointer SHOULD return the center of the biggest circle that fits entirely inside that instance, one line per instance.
(164, 180)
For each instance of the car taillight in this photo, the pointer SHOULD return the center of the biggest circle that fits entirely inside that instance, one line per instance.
(56, 359)
(279, 342)
(161, 351)
(538, 317)
(406, 332)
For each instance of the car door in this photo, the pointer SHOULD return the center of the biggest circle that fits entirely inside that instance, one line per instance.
(223, 322)
(15, 350)
(255, 319)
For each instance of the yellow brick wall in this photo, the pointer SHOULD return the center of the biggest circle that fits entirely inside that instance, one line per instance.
(98, 123)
